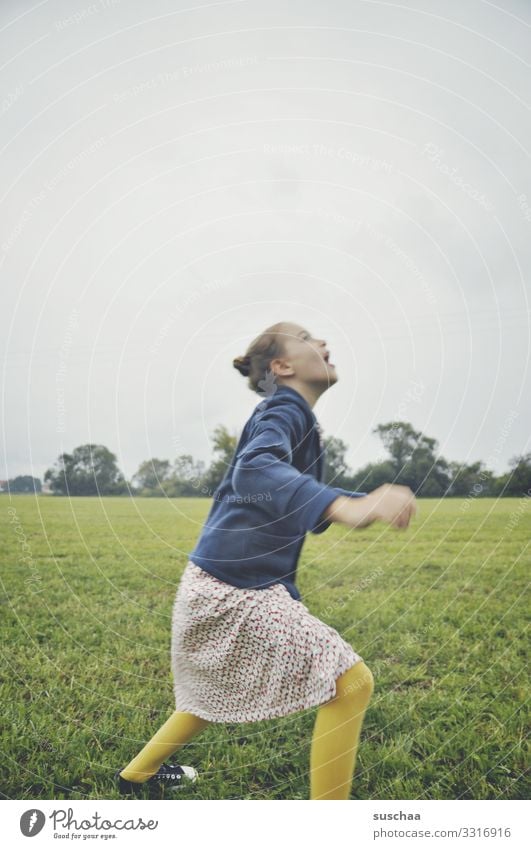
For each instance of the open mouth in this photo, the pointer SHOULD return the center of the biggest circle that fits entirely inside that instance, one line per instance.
(326, 357)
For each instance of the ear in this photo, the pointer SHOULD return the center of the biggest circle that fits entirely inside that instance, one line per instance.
(281, 367)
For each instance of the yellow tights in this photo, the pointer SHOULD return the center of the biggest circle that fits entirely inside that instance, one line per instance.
(175, 732)
(334, 743)
(336, 734)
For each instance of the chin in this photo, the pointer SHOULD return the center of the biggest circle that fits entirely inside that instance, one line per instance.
(331, 379)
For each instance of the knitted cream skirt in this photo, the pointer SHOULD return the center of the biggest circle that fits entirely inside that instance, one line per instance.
(242, 655)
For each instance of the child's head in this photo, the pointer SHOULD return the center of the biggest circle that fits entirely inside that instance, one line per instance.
(291, 354)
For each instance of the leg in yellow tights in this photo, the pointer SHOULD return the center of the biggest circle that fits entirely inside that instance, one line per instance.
(336, 734)
(176, 731)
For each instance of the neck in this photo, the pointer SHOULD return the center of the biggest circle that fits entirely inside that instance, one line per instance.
(309, 391)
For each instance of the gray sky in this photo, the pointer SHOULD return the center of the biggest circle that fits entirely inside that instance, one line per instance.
(176, 177)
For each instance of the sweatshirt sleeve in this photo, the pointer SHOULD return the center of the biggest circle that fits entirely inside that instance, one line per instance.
(263, 466)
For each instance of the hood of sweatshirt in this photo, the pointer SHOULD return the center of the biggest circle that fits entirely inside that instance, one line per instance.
(283, 394)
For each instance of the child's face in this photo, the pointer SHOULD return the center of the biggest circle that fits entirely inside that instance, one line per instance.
(304, 357)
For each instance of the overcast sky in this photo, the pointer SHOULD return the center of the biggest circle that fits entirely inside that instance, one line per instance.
(177, 176)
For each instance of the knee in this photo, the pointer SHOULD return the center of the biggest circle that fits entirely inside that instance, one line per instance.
(357, 683)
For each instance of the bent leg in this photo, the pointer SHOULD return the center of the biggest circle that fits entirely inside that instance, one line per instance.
(176, 731)
(336, 734)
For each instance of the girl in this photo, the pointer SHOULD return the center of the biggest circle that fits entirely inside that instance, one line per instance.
(244, 646)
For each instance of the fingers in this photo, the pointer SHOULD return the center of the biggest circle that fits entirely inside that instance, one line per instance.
(401, 520)
(405, 515)
(406, 507)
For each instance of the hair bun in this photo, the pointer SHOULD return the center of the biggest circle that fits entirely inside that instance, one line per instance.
(243, 364)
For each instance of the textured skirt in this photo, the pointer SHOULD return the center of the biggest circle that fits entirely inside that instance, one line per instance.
(242, 655)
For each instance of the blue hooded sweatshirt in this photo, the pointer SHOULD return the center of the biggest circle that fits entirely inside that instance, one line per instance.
(271, 494)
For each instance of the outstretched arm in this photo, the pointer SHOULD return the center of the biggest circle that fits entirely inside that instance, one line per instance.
(263, 471)
(391, 503)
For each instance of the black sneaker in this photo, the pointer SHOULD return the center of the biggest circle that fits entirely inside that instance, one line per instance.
(167, 775)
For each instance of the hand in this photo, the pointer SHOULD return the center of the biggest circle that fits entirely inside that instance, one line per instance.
(393, 503)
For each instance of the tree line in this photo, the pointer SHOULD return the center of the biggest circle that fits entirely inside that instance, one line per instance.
(412, 459)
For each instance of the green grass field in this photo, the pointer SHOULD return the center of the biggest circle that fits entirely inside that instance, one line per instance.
(438, 612)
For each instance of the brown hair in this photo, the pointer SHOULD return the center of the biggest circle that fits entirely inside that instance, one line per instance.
(266, 347)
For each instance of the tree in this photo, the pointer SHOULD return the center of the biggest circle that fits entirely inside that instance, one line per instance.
(426, 471)
(89, 470)
(152, 474)
(414, 459)
(370, 477)
(24, 483)
(400, 439)
(336, 467)
(472, 479)
(517, 482)
(187, 477)
(224, 448)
